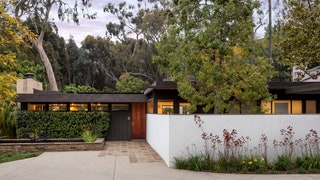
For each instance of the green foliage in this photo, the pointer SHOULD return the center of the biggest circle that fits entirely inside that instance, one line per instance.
(7, 121)
(148, 20)
(88, 136)
(211, 54)
(30, 65)
(12, 35)
(78, 89)
(17, 156)
(130, 84)
(301, 170)
(62, 124)
(225, 155)
(73, 56)
(300, 34)
(283, 163)
(254, 164)
(311, 162)
(194, 163)
(230, 164)
(97, 65)
(315, 171)
(102, 62)
(144, 18)
(217, 168)
(38, 13)
(181, 163)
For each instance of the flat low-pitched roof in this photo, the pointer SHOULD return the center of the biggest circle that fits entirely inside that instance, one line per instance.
(161, 85)
(296, 87)
(58, 97)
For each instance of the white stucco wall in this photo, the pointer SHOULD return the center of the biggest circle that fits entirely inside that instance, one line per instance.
(157, 134)
(173, 134)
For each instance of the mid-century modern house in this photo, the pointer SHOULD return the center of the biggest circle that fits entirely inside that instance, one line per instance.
(128, 111)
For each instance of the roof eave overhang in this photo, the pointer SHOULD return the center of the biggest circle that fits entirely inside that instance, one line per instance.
(304, 89)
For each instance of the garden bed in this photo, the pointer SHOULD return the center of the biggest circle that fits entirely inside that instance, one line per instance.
(28, 145)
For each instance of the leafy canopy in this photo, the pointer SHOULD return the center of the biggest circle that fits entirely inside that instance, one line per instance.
(38, 13)
(75, 89)
(12, 34)
(300, 34)
(130, 84)
(210, 52)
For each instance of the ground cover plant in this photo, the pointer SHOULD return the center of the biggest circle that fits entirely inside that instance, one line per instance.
(89, 136)
(17, 156)
(230, 154)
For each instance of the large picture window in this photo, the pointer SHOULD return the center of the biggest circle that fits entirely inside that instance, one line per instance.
(165, 107)
(283, 107)
(183, 108)
(36, 107)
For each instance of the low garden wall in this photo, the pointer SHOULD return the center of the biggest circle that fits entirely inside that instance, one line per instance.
(17, 147)
(178, 135)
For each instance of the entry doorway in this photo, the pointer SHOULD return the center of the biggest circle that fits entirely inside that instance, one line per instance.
(120, 124)
(138, 120)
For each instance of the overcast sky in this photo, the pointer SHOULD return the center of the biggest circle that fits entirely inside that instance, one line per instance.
(97, 27)
(94, 27)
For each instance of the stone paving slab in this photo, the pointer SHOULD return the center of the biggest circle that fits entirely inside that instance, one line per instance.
(138, 151)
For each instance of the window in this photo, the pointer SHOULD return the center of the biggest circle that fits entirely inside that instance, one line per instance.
(266, 107)
(120, 107)
(99, 107)
(57, 107)
(78, 107)
(150, 107)
(311, 107)
(281, 107)
(165, 107)
(36, 107)
(183, 108)
(296, 107)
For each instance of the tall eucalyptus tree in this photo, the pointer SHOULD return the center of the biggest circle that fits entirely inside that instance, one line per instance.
(39, 12)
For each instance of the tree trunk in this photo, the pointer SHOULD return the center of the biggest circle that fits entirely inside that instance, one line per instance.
(44, 58)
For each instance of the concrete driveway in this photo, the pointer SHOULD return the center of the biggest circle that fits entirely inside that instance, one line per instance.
(113, 165)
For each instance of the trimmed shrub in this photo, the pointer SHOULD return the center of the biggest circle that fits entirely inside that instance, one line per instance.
(61, 124)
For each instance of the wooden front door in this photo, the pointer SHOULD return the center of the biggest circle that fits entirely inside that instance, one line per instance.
(138, 114)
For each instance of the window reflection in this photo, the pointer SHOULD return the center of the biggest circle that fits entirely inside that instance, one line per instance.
(78, 107)
(36, 107)
(57, 107)
(99, 107)
(165, 107)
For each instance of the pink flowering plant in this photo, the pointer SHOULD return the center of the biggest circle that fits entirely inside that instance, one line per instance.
(230, 153)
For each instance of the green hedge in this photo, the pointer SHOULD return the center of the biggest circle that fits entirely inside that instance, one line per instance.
(62, 124)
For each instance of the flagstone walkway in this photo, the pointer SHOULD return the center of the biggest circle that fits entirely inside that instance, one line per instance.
(138, 151)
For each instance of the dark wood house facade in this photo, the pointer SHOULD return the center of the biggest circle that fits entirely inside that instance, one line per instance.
(294, 98)
(128, 111)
